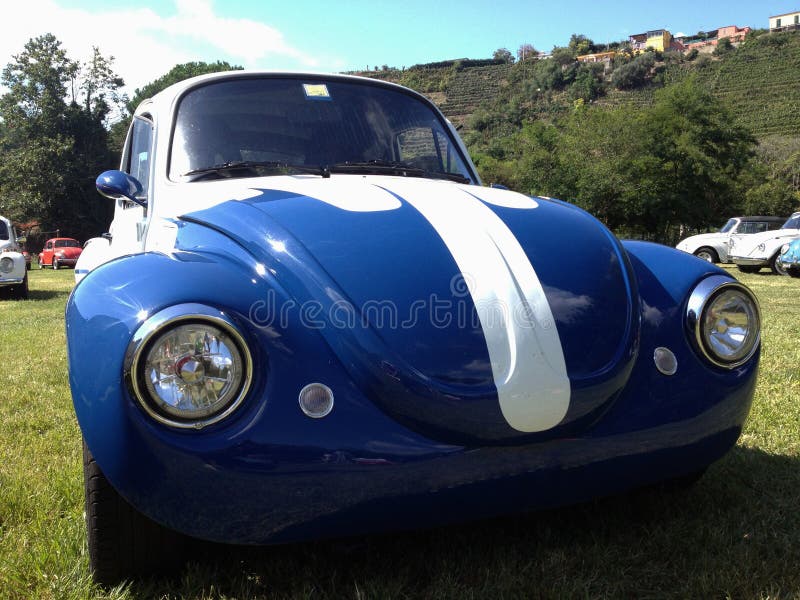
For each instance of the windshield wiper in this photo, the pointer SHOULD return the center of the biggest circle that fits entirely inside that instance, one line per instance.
(250, 168)
(388, 167)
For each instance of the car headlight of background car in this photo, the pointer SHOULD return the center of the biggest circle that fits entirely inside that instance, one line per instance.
(6, 264)
(188, 366)
(725, 321)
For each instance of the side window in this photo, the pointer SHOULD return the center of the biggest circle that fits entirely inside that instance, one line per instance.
(3, 231)
(429, 149)
(748, 227)
(140, 152)
(49, 245)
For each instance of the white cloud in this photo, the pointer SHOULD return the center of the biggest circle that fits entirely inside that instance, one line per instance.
(147, 45)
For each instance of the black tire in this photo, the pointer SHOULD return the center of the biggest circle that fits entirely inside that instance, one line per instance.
(777, 266)
(122, 541)
(55, 264)
(794, 271)
(707, 254)
(20, 292)
(748, 268)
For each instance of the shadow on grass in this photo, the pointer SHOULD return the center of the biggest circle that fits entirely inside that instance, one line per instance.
(733, 534)
(39, 295)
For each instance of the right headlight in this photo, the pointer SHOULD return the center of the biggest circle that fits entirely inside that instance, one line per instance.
(724, 319)
(188, 366)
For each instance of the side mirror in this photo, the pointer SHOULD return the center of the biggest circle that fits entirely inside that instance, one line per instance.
(117, 185)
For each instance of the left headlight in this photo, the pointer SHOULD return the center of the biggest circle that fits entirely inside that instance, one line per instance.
(6, 264)
(725, 321)
(188, 366)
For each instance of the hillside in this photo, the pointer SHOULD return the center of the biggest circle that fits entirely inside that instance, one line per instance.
(759, 80)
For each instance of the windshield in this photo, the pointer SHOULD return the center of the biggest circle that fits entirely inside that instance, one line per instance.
(728, 226)
(67, 244)
(308, 125)
(792, 223)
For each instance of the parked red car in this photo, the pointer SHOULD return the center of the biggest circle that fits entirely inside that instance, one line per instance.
(60, 252)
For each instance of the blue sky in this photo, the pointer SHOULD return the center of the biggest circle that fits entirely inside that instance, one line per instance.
(147, 38)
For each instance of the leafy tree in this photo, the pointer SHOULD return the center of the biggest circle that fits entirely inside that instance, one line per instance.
(634, 73)
(724, 46)
(587, 85)
(580, 44)
(563, 56)
(503, 54)
(58, 147)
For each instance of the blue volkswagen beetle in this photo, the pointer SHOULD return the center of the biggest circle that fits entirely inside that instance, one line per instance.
(310, 319)
(790, 257)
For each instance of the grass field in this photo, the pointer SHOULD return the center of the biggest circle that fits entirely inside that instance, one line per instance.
(735, 534)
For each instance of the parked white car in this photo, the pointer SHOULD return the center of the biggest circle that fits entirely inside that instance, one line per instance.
(13, 275)
(752, 252)
(713, 247)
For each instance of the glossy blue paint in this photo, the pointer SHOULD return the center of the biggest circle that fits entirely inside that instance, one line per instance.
(791, 258)
(395, 260)
(269, 473)
(118, 185)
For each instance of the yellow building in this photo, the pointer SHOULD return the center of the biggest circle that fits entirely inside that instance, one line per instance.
(658, 39)
(785, 22)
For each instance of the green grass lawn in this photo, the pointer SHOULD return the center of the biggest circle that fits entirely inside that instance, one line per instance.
(735, 534)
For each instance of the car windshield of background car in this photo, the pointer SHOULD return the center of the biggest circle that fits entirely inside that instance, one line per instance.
(792, 223)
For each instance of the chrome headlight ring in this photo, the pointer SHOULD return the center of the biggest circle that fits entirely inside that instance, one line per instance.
(6, 264)
(188, 366)
(724, 319)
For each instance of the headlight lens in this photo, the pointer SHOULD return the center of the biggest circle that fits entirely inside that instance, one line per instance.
(725, 318)
(784, 248)
(6, 264)
(189, 370)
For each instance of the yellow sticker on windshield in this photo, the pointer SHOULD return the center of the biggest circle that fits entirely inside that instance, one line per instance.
(316, 91)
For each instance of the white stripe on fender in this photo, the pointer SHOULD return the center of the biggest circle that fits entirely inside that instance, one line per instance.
(524, 348)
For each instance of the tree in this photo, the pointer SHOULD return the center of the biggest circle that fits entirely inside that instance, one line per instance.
(527, 52)
(724, 46)
(58, 147)
(634, 73)
(503, 54)
(176, 74)
(580, 44)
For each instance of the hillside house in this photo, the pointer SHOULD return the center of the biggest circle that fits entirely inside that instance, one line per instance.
(787, 22)
(711, 38)
(657, 39)
(597, 57)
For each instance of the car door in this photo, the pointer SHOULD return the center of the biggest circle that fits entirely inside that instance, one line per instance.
(130, 219)
(47, 253)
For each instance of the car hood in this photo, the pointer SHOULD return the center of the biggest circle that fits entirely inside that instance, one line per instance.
(480, 313)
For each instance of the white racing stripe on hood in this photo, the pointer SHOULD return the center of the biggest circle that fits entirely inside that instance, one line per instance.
(525, 351)
(524, 347)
